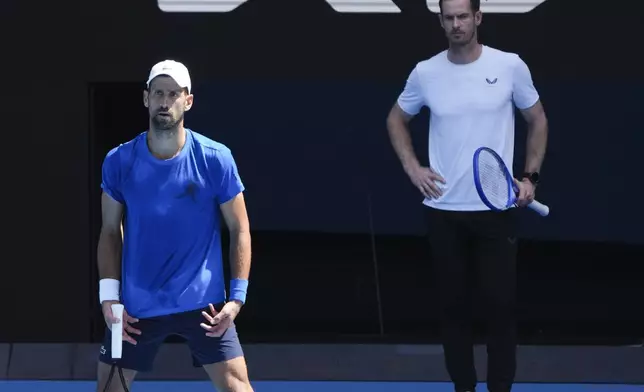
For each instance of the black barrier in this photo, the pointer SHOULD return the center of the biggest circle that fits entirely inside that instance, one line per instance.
(334, 362)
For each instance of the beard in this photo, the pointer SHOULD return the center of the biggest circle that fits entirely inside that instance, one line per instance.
(463, 40)
(165, 122)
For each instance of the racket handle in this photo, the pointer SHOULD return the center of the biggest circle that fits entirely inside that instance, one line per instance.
(117, 331)
(540, 208)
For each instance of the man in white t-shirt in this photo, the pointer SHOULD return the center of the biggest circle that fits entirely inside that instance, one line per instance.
(471, 90)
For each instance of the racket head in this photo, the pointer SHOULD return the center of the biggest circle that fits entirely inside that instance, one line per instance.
(492, 179)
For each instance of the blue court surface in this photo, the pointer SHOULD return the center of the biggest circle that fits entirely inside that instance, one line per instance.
(305, 386)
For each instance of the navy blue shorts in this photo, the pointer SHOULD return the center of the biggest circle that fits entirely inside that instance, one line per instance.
(205, 350)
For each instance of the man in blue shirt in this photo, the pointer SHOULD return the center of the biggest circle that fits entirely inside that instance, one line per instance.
(159, 252)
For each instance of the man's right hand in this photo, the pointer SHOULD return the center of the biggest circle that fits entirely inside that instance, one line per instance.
(127, 320)
(425, 179)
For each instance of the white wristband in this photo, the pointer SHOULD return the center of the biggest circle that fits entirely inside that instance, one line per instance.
(108, 290)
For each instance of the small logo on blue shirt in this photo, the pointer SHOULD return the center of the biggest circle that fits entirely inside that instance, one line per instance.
(190, 191)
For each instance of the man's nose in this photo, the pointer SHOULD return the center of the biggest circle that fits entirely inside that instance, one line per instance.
(167, 101)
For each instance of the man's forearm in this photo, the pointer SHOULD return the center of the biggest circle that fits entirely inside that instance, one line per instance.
(110, 246)
(536, 145)
(240, 255)
(401, 142)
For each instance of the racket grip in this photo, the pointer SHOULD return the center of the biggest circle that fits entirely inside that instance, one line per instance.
(540, 208)
(117, 331)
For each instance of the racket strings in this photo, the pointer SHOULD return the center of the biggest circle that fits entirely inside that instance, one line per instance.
(121, 377)
(493, 180)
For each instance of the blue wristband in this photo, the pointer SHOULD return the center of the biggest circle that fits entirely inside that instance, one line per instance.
(238, 288)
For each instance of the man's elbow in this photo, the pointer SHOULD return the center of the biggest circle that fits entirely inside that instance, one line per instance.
(391, 120)
(396, 119)
(111, 233)
(239, 231)
(240, 239)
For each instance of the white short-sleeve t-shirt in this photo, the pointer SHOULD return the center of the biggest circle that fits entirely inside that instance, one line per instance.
(471, 105)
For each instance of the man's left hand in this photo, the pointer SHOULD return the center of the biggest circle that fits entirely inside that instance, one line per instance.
(219, 322)
(526, 192)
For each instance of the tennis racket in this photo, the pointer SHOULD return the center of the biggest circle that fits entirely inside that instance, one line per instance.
(495, 184)
(117, 347)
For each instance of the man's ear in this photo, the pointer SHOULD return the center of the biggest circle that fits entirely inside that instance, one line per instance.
(478, 18)
(189, 102)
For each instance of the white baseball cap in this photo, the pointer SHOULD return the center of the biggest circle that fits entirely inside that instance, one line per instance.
(173, 69)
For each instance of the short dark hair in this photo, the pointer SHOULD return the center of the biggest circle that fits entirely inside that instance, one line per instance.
(474, 4)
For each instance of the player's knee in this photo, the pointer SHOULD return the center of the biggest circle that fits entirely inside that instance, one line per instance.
(230, 376)
(237, 385)
(234, 382)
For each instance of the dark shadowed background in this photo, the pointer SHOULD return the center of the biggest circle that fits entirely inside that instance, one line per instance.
(300, 94)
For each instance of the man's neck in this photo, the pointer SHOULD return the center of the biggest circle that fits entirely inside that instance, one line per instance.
(465, 54)
(167, 143)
